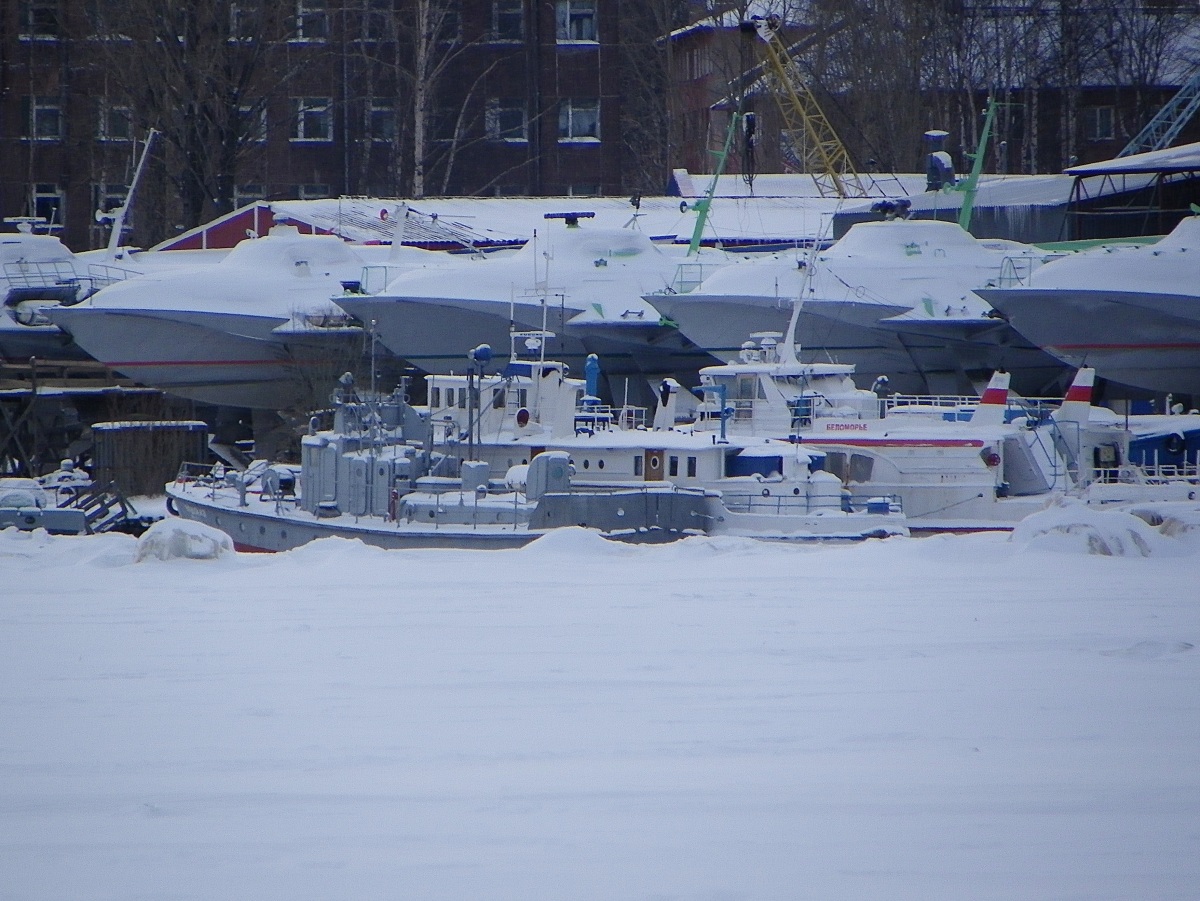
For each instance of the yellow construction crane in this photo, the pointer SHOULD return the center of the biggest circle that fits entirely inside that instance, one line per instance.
(820, 150)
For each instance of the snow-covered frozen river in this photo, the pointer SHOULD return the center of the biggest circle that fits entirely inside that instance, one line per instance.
(951, 717)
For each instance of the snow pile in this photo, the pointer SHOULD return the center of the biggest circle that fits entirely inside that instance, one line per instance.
(172, 539)
(1069, 525)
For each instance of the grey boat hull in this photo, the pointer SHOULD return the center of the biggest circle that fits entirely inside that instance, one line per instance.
(214, 358)
(917, 356)
(1149, 341)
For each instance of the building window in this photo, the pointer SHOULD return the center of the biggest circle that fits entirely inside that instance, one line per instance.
(381, 122)
(586, 189)
(579, 120)
(575, 20)
(506, 121)
(314, 119)
(447, 23)
(312, 21)
(243, 24)
(253, 123)
(246, 194)
(312, 192)
(116, 123)
(508, 20)
(48, 202)
(38, 20)
(1098, 123)
(43, 119)
(108, 198)
(378, 17)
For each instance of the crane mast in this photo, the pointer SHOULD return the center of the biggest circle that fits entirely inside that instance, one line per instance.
(823, 154)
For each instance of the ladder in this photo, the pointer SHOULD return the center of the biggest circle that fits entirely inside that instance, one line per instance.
(1168, 122)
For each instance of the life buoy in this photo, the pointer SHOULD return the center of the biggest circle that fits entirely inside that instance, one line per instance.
(1174, 444)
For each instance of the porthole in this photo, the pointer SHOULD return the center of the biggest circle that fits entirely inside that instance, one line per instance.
(241, 527)
(262, 530)
(599, 464)
(586, 463)
(283, 533)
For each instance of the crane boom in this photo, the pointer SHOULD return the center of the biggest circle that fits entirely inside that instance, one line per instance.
(824, 155)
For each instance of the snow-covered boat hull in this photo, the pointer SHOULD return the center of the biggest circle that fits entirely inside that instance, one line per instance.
(227, 359)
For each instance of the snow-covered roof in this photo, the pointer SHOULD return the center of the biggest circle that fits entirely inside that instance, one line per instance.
(784, 217)
(1184, 158)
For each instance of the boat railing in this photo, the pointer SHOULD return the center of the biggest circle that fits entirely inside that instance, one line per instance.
(964, 405)
(375, 279)
(102, 275)
(39, 274)
(1015, 271)
(1150, 474)
(786, 504)
(597, 417)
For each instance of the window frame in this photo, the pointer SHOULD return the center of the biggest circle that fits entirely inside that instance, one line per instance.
(1094, 117)
(371, 111)
(29, 24)
(505, 10)
(305, 105)
(496, 109)
(310, 11)
(571, 108)
(104, 132)
(42, 191)
(570, 12)
(39, 103)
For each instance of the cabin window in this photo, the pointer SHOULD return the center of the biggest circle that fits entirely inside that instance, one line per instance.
(860, 468)
(691, 467)
(435, 398)
(637, 466)
(835, 462)
(462, 398)
(497, 398)
(673, 466)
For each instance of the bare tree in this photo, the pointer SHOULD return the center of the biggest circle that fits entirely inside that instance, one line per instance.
(202, 74)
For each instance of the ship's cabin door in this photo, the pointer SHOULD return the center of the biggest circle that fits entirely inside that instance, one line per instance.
(653, 468)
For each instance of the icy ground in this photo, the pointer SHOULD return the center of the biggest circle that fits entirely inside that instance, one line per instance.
(953, 717)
